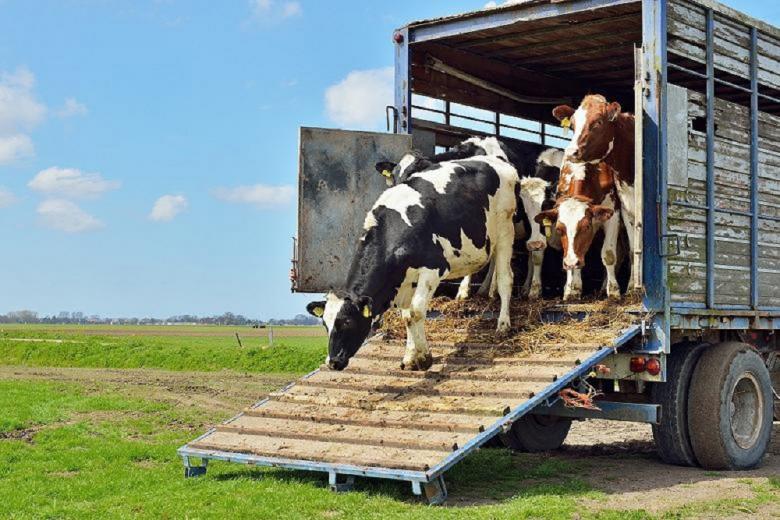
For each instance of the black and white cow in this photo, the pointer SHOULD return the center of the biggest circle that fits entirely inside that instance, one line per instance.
(535, 164)
(445, 222)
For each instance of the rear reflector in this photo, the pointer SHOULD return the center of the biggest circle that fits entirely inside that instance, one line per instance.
(638, 364)
(653, 366)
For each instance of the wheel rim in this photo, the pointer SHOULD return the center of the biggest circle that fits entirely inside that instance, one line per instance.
(747, 411)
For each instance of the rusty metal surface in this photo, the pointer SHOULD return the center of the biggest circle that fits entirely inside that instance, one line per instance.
(337, 185)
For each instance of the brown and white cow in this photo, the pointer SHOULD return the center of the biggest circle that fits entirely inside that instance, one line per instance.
(587, 201)
(602, 132)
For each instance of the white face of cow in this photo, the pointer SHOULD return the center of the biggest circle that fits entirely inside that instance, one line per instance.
(348, 322)
(576, 222)
(532, 193)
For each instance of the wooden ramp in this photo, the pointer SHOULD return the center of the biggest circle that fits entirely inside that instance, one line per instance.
(375, 420)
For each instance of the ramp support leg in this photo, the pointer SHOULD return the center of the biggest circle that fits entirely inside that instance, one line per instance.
(435, 491)
(194, 471)
(338, 485)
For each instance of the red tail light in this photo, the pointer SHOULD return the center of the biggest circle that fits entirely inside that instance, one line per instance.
(653, 366)
(638, 364)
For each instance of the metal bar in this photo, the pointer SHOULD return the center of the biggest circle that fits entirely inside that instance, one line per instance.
(447, 112)
(754, 168)
(639, 195)
(611, 410)
(723, 82)
(502, 17)
(438, 65)
(403, 89)
(548, 393)
(710, 158)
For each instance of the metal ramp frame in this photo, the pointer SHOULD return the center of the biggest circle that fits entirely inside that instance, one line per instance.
(429, 483)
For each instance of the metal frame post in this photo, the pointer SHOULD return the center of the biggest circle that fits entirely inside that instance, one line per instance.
(403, 90)
(655, 163)
(754, 168)
(710, 158)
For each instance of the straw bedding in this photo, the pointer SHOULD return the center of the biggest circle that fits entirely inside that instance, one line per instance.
(474, 321)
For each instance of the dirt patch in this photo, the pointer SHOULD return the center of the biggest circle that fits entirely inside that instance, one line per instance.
(26, 435)
(622, 463)
(215, 393)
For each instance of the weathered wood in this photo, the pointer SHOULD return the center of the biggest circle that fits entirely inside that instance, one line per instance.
(505, 372)
(351, 434)
(274, 446)
(393, 401)
(427, 421)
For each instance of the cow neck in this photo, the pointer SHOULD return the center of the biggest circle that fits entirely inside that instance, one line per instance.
(621, 159)
(596, 185)
(372, 276)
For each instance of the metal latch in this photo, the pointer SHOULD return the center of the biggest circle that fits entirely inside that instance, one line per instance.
(665, 245)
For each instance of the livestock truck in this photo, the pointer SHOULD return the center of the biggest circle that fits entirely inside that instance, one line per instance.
(702, 358)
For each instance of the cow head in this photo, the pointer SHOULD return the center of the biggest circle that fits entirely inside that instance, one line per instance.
(395, 173)
(576, 221)
(594, 124)
(533, 192)
(348, 322)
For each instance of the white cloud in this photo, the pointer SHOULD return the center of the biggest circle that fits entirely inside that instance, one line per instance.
(6, 198)
(15, 147)
(493, 4)
(20, 112)
(271, 10)
(71, 108)
(290, 9)
(63, 215)
(71, 183)
(167, 207)
(258, 195)
(359, 100)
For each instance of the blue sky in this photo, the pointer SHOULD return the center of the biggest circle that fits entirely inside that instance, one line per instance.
(148, 149)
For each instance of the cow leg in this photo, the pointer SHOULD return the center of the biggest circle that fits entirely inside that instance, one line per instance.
(488, 287)
(504, 275)
(609, 254)
(464, 289)
(573, 288)
(417, 355)
(536, 260)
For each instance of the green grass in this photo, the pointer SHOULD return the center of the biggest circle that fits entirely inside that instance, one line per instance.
(290, 354)
(104, 455)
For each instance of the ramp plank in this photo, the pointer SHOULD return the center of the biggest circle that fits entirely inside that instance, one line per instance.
(358, 455)
(428, 421)
(351, 434)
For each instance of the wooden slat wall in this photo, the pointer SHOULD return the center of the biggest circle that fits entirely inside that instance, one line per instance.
(732, 43)
(687, 272)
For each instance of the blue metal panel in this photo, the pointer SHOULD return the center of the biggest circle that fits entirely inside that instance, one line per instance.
(655, 164)
(458, 25)
(754, 167)
(710, 49)
(549, 394)
(403, 87)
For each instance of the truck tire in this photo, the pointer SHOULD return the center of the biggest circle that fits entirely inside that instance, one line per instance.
(672, 440)
(534, 433)
(730, 405)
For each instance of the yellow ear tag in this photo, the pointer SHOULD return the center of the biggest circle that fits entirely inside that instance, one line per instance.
(366, 311)
(319, 311)
(547, 227)
(387, 173)
(566, 124)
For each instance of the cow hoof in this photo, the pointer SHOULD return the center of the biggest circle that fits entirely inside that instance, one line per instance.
(420, 364)
(503, 326)
(571, 296)
(535, 292)
(462, 296)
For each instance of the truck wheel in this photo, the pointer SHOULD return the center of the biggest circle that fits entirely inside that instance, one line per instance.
(672, 440)
(534, 433)
(730, 404)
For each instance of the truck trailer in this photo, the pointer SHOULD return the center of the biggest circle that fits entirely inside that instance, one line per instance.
(704, 82)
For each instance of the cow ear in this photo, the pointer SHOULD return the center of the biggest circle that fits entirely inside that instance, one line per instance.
(385, 168)
(602, 213)
(316, 309)
(613, 110)
(563, 112)
(365, 303)
(550, 214)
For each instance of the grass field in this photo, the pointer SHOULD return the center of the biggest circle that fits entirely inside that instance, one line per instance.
(90, 423)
